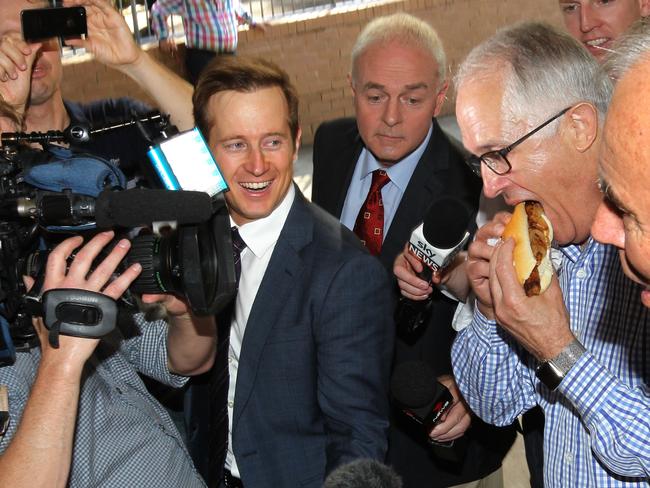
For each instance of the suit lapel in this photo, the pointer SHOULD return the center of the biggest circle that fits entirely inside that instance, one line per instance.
(347, 161)
(423, 186)
(276, 286)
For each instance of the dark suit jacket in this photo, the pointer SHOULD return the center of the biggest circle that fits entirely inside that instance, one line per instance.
(440, 171)
(312, 383)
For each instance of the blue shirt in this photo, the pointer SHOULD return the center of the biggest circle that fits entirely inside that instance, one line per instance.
(399, 173)
(597, 428)
(123, 436)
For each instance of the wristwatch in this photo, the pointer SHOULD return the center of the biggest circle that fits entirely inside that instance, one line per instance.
(553, 371)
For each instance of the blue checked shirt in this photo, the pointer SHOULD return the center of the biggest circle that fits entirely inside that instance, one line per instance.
(123, 437)
(597, 430)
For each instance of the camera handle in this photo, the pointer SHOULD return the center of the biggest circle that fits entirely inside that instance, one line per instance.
(74, 312)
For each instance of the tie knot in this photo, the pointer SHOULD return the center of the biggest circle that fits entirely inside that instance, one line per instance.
(238, 243)
(379, 180)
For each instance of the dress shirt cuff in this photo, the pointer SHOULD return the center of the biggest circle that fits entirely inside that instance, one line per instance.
(588, 385)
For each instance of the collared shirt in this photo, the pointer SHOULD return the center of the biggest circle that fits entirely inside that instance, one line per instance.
(391, 194)
(123, 436)
(208, 24)
(597, 422)
(260, 237)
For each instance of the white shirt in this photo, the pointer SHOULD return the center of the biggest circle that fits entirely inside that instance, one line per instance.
(260, 237)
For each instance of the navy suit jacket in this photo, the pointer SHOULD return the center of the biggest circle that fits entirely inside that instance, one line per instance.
(312, 383)
(440, 171)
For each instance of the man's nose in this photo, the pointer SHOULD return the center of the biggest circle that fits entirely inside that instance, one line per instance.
(608, 226)
(256, 163)
(493, 184)
(392, 113)
(588, 18)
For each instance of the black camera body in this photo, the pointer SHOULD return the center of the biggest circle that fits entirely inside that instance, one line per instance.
(194, 260)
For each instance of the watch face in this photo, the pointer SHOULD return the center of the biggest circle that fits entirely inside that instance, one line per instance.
(549, 374)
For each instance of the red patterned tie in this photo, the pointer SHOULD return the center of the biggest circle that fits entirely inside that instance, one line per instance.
(369, 225)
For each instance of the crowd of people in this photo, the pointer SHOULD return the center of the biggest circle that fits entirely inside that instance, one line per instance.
(289, 384)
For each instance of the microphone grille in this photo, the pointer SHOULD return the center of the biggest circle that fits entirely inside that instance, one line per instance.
(413, 384)
(446, 222)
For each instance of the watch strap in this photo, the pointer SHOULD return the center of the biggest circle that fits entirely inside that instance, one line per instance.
(553, 371)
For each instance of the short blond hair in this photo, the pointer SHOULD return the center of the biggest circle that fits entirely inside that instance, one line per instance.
(404, 28)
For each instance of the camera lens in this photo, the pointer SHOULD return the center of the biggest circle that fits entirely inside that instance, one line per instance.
(158, 257)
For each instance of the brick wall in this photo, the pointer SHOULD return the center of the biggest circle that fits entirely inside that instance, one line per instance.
(315, 52)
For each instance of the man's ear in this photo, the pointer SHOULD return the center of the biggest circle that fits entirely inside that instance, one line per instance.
(441, 97)
(644, 7)
(582, 126)
(297, 144)
(351, 84)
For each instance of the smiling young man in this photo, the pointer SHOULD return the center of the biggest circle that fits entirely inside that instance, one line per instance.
(597, 23)
(308, 342)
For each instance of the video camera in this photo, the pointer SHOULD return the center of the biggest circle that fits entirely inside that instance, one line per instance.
(51, 193)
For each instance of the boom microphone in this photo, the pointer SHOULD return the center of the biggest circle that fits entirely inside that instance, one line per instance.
(447, 226)
(132, 208)
(363, 473)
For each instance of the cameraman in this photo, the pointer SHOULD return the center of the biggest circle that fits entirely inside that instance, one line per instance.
(111, 42)
(80, 414)
(87, 419)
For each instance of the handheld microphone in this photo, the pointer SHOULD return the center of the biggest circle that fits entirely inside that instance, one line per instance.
(135, 207)
(419, 395)
(424, 400)
(447, 226)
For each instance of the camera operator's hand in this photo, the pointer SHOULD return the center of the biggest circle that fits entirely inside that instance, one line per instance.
(74, 351)
(109, 38)
(111, 42)
(191, 340)
(16, 61)
(175, 306)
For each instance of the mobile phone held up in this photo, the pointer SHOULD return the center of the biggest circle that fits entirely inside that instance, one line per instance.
(44, 23)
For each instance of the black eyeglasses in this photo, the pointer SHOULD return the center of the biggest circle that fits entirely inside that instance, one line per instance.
(496, 160)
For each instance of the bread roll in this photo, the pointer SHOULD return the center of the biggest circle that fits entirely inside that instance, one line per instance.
(532, 233)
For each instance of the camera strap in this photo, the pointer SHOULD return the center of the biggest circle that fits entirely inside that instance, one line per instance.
(78, 313)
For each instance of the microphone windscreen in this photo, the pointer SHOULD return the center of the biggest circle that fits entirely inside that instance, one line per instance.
(363, 473)
(446, 222)
(132, 208)
(413, 384)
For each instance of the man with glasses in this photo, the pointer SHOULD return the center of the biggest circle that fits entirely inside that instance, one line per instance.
(398, 80)
(578, 349)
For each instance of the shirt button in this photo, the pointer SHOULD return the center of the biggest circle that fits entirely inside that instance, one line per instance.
(568, 457)
(230, 359)
(231, 404)
(582, 274)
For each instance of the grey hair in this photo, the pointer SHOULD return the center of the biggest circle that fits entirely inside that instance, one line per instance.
(406, 29)
(544, 71)
(629, 49)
